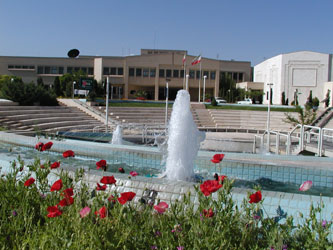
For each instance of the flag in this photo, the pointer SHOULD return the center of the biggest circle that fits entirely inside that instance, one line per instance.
(184, 59)
(196, 60)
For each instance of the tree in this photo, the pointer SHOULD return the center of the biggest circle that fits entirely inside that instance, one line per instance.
(327, 99)
(305, 116)
(57, 86)
(283, 98)
(40, 81)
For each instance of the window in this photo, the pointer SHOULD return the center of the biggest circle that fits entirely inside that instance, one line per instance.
(10, 66)
(206, 73)
(212, 75)
(76, 69)
(162, 73)
(69, 70)
(168, 73)
(182, 73)
(113, 71)
(138, 72)
(191, 74)
(131, 72)
(18, 66)
(61, 70)
(31, 67)
(105, 71)
(40, 70)
(198, 74)
(90, 71)
(240, 77)
(176, 73)
(84, 69)
(54, 70)
(234, 76)
(120, 71)
(47, 70)
(145, 72)
(152, 72)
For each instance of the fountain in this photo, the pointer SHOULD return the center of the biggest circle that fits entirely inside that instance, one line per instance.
(183, 140)
(117, 136)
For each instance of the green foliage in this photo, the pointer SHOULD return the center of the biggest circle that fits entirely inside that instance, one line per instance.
(315, 102)
(327, 99)
(57, 86)
(305, 116)
(66, 82)
(24, 223)
(141, 94)
(213, 101)
(283, 98)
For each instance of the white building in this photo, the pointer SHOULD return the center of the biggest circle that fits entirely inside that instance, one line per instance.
(296, 74)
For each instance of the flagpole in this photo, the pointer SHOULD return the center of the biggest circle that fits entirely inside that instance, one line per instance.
(200, 79)
(184, 73)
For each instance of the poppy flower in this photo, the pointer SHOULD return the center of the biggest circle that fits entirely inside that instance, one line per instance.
(121, 170)
(108, 180)
(133, 173)
(161, 207)
(101, 188)
(85, 211)
(101, 164)
(305, 186)
(256, 197)
(55, 165)
(68, 192)
(210, 186)
(29, 182)
(56, 186)
(112, 199)
(208, 213)
(217, 158)
(39, 146)
(66, 201)
(47, 146)
(68, 153)
(53, 211)
(42, 166)
(101, 212)
(126, 196)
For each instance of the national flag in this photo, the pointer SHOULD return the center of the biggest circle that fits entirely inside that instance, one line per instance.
(196, 60)
(184, 59)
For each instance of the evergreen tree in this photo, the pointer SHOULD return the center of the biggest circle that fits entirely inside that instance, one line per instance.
(57, 86)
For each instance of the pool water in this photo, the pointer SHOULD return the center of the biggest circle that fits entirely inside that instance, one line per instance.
(10, 152)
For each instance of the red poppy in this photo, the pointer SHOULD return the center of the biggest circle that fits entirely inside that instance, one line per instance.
(108, 180)
(68, 153)
(112, 199)
(126, 196)
(217, 158)
(210, 186)
(39, 146)
(55, 165)
(161, 207)
(53, 211)
(208, 213)
(133, 173)
(101, 212)
(66, 201)
(47, 146)
(101, 164)
(56, 186)
(42, 166)
(221, 178)
(121, 170)
(29, 182)
(101, 188)
(68, 192)
(256, 197)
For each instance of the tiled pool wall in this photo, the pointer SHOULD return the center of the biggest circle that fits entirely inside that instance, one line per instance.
(169, 191)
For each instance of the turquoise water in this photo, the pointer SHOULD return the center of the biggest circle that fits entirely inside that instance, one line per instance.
(134, 163)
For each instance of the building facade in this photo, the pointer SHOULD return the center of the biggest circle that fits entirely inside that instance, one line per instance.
(296, 74)
(147, 72)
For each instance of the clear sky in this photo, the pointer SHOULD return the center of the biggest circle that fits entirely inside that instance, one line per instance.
(245, 30)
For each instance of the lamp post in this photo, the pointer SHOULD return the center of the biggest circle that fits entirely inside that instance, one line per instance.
(187, 77)
(73, 89)
(166, 102)
(229, 95)
(204, 89)
(268, 115)
(107, 105)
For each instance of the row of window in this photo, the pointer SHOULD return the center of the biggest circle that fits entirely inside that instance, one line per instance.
(236, 76)
(59, 70)
(21, 67)
(168, 73)
(113, 71)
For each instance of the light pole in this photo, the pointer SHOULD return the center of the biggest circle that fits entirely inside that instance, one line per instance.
(268, 115)
(166, 102)
(187, 77)
(107, 105)
(199, 87)
(73, 89)
(204, 89)
(229, 96)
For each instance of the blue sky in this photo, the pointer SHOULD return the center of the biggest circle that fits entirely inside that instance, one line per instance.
(247, 30)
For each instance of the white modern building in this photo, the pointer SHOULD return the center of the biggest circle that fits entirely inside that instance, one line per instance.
(296, 74)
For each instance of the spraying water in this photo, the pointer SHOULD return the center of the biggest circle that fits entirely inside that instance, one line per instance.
(117, 136)
(183, 141)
